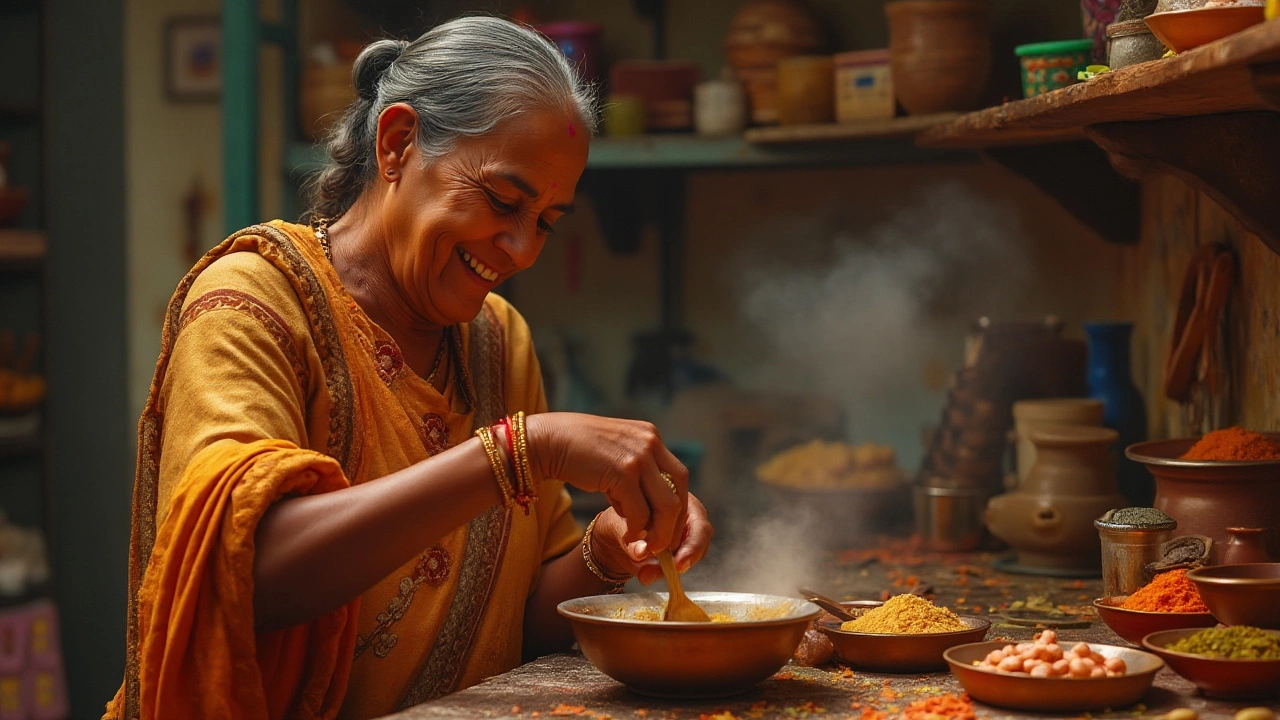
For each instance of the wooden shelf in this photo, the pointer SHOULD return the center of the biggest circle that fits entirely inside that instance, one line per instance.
(878, 143)
(898, 127)
(22, 247)
(1207, 116)
(1236, 74)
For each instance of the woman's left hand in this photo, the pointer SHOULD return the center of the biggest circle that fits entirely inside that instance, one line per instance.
(622, 558)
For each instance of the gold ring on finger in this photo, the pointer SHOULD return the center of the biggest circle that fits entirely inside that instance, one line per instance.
(666, 478)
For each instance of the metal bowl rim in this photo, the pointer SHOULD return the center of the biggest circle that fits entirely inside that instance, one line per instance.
(1102, 602)
(806, 615)
(1131, 453)
(1156, 649)
(1160, 664)
(984, 625)
(1195, 576)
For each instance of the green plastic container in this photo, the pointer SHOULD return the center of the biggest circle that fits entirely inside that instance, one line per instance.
(1048, 66)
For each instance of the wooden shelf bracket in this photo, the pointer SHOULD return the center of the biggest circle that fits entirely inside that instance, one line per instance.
(1233, 158)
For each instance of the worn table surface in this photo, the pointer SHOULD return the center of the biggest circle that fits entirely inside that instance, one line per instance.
(567, 685)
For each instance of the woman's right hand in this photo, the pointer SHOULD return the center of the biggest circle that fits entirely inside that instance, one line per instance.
(625, 460)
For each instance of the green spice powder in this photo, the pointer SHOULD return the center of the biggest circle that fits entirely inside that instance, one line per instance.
(1239, 642)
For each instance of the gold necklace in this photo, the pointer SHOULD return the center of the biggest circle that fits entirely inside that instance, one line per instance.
(435, 365)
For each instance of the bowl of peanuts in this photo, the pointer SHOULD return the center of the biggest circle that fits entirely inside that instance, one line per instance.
(1045, 675)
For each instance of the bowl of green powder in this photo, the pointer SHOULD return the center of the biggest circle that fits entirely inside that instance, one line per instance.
(1236, 663)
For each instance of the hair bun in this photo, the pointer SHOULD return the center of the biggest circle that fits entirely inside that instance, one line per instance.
(372, 64)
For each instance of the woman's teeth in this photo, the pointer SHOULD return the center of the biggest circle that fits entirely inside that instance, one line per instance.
(480, 268)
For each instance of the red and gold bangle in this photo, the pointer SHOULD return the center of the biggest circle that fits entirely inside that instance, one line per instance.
(498, 465)
(616, 584)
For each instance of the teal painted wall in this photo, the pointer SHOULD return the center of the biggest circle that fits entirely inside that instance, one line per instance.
(91, 428)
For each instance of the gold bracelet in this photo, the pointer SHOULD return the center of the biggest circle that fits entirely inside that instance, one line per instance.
(615, 583)
(526, 491)
(498, 465)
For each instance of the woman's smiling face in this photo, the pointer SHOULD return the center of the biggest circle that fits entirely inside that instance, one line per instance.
(460, 224)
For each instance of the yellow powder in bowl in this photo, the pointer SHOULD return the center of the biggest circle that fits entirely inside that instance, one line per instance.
(906, 614)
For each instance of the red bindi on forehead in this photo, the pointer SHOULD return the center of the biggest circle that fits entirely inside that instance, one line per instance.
(573, 131)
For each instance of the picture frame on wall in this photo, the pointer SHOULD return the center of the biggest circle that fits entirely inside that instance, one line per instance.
(193, 58)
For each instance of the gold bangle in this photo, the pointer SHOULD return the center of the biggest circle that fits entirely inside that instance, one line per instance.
(615, 583)
(497, 464)
(526, 492)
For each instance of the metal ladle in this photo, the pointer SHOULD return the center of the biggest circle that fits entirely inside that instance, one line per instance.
(679, 607)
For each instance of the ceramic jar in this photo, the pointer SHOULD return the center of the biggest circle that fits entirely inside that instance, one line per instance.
(1048, 520)
(940, 53)
(1031, 414)
(719, 107)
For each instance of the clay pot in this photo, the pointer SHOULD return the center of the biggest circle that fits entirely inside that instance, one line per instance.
(1048, 520)
(940, 53)
(325, 92)
(761, 33)
(806, 90)
(1207, 497)
(1030, 414)
(1246, 545)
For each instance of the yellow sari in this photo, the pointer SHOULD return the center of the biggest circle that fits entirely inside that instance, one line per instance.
(272, 382)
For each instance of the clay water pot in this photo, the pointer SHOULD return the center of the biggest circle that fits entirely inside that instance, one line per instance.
(939, 53)
(1246, 545)
(1048, 520)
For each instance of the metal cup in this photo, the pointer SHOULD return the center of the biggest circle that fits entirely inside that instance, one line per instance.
(950, 519)
(1126, 551)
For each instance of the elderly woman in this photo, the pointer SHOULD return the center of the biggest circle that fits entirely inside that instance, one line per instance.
(349, 495)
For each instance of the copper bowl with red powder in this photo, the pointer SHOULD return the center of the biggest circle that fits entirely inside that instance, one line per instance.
(1244, 594)
(1133, 625)
(1208, 496)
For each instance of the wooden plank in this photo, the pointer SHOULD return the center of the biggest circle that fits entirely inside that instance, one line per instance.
(21, 246)
(1215, 78)
(907, 126)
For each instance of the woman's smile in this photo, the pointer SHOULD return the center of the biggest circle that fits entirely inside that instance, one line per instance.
(478, 268)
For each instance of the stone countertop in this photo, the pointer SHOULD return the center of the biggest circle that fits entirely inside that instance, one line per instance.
(566, 685)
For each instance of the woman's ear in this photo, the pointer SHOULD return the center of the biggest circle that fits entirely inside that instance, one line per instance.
(397, 127)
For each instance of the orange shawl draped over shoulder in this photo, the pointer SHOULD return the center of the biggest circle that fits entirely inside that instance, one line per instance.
(272, 382)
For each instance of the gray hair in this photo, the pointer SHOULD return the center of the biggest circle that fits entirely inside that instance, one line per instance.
(464, 78)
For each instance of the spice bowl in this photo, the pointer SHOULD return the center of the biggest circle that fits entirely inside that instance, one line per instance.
(1245, 594)
(1133, 625)
(1054, 694)
(1217, 677)
(902, 652)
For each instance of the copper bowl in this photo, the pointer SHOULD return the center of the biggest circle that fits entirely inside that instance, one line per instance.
(1217, 677)
(689, 660)
(1245, 594)
(900, 652)
(1133, 625)
(1023, 692)
(1183, 30)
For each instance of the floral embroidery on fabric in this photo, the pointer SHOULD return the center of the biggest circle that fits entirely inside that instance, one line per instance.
(389, 360)
(435, 434)
(432, 569)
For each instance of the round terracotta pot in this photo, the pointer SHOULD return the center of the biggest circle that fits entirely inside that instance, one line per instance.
(1208, 497)
(940, 53)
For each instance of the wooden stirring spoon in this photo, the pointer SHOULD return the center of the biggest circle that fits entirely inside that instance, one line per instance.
(831, 605)
(679, 607)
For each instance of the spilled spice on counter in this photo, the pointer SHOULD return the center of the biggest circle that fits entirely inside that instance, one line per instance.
(906, 613)
(1233, 443)
(1238, 642)
(1168, 592)
(941, 707)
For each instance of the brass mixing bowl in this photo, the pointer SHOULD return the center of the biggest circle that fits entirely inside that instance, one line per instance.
(689, 660)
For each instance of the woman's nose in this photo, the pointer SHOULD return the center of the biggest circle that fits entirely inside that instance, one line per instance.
(522, 246)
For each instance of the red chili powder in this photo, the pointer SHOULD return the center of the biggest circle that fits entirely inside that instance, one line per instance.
(1234, 443)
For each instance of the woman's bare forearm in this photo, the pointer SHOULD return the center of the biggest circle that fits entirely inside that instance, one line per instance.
(316, 553)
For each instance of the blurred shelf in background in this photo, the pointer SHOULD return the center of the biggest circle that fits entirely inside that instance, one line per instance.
(22, 248)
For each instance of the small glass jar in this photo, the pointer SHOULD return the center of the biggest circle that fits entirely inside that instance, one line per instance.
(1127, 548)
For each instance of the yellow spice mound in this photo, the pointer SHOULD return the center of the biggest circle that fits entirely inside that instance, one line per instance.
(906, 614)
